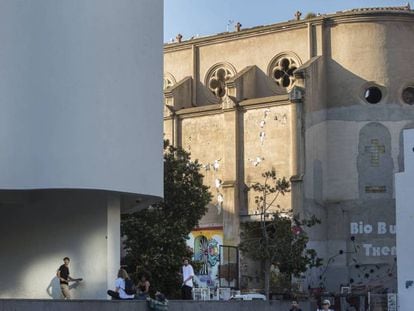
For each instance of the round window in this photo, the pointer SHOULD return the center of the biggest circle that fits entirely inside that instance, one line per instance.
(408, 95)
(373, 95)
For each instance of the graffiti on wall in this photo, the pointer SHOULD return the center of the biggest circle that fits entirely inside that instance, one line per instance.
(205, 244)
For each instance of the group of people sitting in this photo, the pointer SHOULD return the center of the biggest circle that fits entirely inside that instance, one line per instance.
(125, 288)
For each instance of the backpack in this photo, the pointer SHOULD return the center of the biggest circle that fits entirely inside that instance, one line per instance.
(157, 305)
(129, 287)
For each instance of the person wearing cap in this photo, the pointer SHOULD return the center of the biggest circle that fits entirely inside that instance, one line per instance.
(295, 306)
(325, 306)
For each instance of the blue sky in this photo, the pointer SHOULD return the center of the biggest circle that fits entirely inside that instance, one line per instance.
(206, 17)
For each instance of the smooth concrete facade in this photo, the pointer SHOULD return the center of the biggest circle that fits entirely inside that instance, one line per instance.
(40, 227)
(405, 222)
(81, 137)
(81, 95)
(324, 101)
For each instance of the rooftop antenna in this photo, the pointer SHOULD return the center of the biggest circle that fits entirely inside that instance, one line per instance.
(231, 22)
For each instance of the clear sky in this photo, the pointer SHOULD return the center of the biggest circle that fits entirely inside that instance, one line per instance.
(206, 17)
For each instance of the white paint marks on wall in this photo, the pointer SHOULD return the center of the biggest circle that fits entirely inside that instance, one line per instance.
(262, 136)
(256, 161)
(218, 183)
(216, 164)
(220, 200)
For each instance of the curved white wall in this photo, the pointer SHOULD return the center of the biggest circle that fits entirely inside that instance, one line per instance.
(42, 227)
(405, 222)
(81, 95)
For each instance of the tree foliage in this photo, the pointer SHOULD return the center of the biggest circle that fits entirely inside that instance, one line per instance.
(310, 15)
(156, 237)
(277, 238)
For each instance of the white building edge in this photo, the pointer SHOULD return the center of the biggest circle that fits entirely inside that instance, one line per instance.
(405, 223)
(80, 137)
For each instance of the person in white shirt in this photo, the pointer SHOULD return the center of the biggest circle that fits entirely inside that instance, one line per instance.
(187, 286)
(119, 292)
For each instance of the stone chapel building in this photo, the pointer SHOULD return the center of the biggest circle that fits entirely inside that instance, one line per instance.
(324, 101)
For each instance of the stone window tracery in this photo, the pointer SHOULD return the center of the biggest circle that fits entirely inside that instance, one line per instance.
(281, 70)
(169, 80)
(217, 77)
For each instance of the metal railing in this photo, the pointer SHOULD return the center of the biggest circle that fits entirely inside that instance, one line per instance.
(207, 293)
(382, 302)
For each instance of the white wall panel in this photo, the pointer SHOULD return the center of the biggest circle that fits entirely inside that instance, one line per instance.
(39, 228)
(405, 223)
(81, 95)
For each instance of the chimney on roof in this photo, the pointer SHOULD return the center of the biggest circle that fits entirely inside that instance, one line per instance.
(238, 26)
(179, 37)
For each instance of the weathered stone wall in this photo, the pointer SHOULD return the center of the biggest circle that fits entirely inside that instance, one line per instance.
(353, 149)
(205, 138)
(267, 145)
(258, 138)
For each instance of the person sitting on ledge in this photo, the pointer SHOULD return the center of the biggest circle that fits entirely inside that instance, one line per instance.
(143, 287)
(121, 290)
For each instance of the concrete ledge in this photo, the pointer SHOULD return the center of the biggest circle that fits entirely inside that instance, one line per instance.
(174, 305)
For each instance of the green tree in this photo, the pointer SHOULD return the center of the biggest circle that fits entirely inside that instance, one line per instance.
(156, 237)
(277, 238)
(310, 15)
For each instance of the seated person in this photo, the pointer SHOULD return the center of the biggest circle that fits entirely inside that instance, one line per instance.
(120, 291)
(143, 287)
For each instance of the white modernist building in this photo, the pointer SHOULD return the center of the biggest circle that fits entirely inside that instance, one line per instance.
(80, 137)
(405, 223)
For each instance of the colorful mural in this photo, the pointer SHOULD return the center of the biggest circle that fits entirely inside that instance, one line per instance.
(206, 246)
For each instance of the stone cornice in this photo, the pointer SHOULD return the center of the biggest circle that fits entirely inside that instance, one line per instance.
(377, 15)
(255, 103)
(277, 100)
(231, 36)
(370, 16)
(199, 111)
